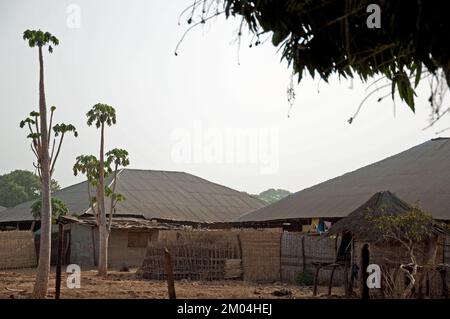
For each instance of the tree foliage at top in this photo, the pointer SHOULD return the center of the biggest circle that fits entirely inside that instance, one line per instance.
(101, 114)
(40, 39)
(325, 37)
(20, 186)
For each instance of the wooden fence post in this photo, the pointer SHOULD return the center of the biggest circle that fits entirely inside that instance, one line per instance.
(241, 256)
(303, 253)
(169, 272)
(316, 277)
(365, 257)
(59, 261)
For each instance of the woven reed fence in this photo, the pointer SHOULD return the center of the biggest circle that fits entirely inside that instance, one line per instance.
(192, 261)
(17, 250)
(252, 255)
(300, 250)
(261, 253)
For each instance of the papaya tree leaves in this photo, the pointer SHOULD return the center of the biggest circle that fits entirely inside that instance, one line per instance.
(326, 38)
(279, 36)
(405, 90)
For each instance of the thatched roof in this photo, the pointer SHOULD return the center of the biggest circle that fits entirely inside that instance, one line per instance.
(420, 174)
(2, 208)
(360, 222)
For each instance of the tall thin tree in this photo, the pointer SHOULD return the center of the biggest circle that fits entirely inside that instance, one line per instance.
(40, 133)
(101, 115)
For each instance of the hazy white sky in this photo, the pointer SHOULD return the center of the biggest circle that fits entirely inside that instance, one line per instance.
(123, 55)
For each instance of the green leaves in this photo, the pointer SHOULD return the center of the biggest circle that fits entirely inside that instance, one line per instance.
(116, 197)
(332, 37)
(40, 39)
(414, 226)
(278, 36)
(101, 114)
(26, 121)
(87, 165)
(405, 90)
(20, 186)
(59, 208)
(64, 128)
(117, 156)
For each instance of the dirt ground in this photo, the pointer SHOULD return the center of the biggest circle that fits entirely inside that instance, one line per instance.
(19, 284)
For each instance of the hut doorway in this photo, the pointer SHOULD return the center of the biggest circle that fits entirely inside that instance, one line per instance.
(345, 248)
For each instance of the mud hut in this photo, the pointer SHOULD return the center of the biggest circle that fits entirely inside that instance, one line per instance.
(364, 242)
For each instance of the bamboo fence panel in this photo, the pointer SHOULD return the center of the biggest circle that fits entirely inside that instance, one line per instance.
(17, 250)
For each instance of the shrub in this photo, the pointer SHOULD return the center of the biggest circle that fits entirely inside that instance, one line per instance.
(305, 278)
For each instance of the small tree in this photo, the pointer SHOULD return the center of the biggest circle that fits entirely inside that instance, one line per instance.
(89, 165)
(59, 208)
(411, 230)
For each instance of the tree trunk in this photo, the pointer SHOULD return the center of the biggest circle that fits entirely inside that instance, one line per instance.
(43, 269)
(103, 231)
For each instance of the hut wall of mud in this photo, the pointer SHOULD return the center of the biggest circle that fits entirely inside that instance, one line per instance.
(17, 250)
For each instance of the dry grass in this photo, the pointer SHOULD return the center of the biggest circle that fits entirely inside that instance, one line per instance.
(19, 284)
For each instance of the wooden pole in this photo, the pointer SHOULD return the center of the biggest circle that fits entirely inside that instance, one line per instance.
(330, 284)
(241, 256)
(346, 281)
(365, 256)
(303, 253)
(93, 230)
(443, 273)
(352, 256)
(59, 261)
(169, 272)
(316, 279)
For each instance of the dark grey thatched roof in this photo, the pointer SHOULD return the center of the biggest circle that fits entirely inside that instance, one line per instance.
(2, 208)
(359, 221)
(421, 173)
(150, 194)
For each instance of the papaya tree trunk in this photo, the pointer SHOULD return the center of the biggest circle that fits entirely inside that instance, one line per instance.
(103, 231)
(43, 270)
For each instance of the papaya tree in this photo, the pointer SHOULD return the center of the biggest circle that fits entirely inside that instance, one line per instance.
(41, 136)
(102, 115)
(59, 208)
(89, 165)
